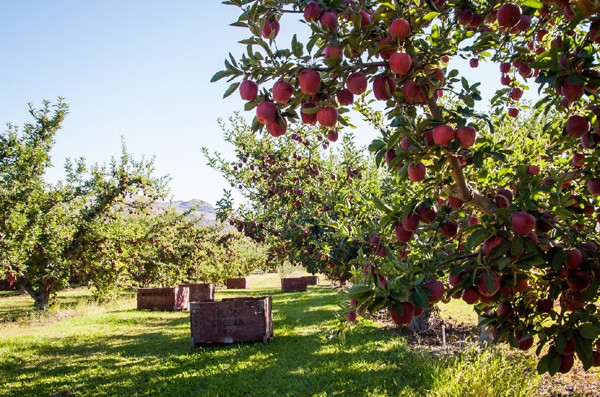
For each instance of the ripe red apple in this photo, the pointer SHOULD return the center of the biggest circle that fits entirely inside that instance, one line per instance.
(470, 295)
(577, 126)
(544, 305)
(579, 280)
(345, 97)
(411, 91)
(505, 80)
(533, 169)
(593, 186)
(356, 83)
(577, 160)
(312, 11)
(482, 287)
(566, 363)
(384, 87)
(270, 29)
(266, 111)
(516, 93)
(332, 135)
(466, 136)
(443, 135)
(390, 155)
(329, 19)
(332, 51)
(426, 215)
(406, 315)
(276, 129)
(405, 143)
(448, 228)
(569, 347)
(309, 81)
(524, 343)
(416, 172)
(365, 18)
(402, 234)
(282, 91)
(505, 309)
(455, 202)
(505, 67)
(524, 23)
(513, 112)
(525, 70)
(411, 222)
(248, 90)
(351, 316)
(490, 243)
(522, 223)
(437, 290)
(508, 15)
(308, 113)
(327, 116)
(474, 62)
(399, 29)
(574, 258)
(571, 91)
(400, 62)
(386, 53)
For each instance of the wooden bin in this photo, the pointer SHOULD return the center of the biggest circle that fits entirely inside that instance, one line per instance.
(237, 283)
(162, 298)
(312, 280)
(201, 292)
(293, 284)
(182, 297)
(231, 321)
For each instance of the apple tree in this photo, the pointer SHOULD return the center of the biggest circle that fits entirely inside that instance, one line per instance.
(43, 226)
(519, 236)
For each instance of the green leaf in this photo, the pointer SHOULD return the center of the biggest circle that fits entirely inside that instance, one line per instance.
(542, 366)
(231, 89)
(516, 246)
(477, 237)
(589, 331)
(533, 4)
(381, 205)
(359, 291)
(419, 298)
(219, 75)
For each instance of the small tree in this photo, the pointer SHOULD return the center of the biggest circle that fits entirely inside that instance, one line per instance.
(536, 243)
(43, 226)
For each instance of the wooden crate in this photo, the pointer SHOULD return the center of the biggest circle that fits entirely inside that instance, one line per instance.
(293, 284)
(182, 297)
(159, 298)
(237, 283)
(201, 292)
(312, 280)
(231, 321)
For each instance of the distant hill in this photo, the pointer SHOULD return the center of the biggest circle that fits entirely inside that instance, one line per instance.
(203, 210)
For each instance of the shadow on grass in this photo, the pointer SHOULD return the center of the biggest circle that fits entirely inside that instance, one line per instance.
(151, 354)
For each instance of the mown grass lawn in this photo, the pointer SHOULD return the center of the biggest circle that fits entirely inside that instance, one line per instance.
(115, 350)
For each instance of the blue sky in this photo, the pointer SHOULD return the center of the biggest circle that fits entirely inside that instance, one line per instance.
(137, 69)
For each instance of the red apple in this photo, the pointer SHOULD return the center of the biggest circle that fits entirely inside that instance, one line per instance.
(524, 343)
(356, 83)
(577, 160)
(579, 280)
(470, 295)
(473, 62)
(327, 116)
(416, 172)
(437, 290)
(522, 223)
(276, 129)
(426, 215)
(411, 91)
(399, 29)
(566, 363)
(448, 228)
(524, 23)
(332, 51)
(593, 186)
(329, 19)
(270, 29)
(390, 155)
(455, 202)
(577, 126)
(312, 11)
(544, 305)
(332, 135)
(513, 112)
(384, 87)
(282, 92)
(308, 113)
(443, 135)
(466, 136)
(482, 287)
(345, 97)
(386, 53)
(406, 314)
(505, 309)
(533, 169)
(574, 258)
(516, 93)
(505, 67)
(351, 316)
(309, 81)
(402, 234)
(266, 112)
(248, 90)
(508, 15)
(491, 243)
(365, 18)
(411, 222)
(400, 62)
(571, 91)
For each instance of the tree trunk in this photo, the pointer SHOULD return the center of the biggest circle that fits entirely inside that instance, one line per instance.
(421, 323)
(41, 296)
(485, 336)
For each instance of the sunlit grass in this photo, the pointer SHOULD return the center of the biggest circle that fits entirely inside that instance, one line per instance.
(85, 349)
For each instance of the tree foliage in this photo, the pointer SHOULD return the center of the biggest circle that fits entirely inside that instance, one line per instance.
(508, 215)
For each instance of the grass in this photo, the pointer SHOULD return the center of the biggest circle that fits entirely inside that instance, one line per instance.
(84, 349)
